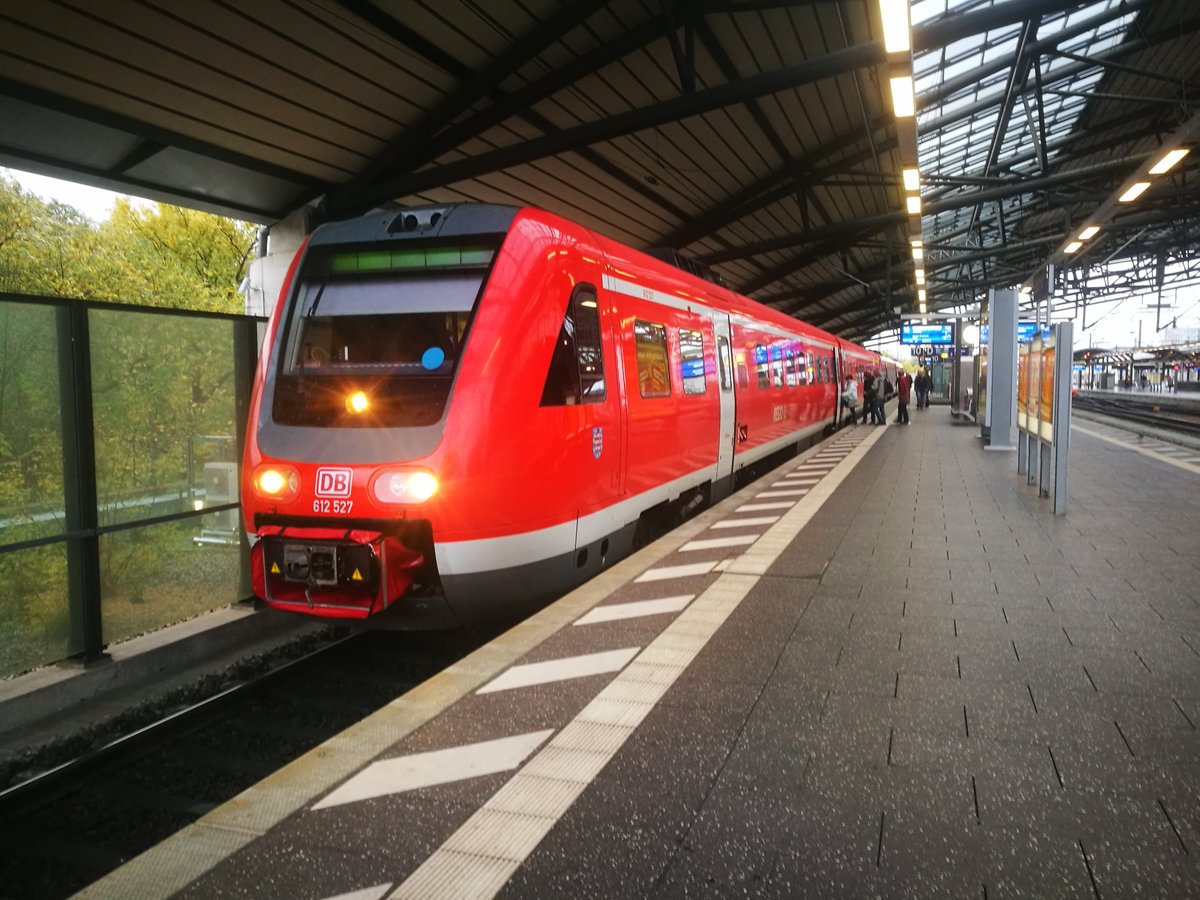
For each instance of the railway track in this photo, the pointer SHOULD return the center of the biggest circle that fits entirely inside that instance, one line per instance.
(80, 819)
(1181, 418)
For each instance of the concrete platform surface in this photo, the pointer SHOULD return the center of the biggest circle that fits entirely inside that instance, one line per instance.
(887, 670)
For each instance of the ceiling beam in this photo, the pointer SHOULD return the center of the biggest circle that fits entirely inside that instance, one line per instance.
(589, 133)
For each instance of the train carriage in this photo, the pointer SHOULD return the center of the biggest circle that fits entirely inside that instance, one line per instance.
(477, 405)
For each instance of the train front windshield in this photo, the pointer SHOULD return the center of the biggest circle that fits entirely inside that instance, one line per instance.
(371, 343)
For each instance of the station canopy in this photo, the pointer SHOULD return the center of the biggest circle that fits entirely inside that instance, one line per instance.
(758, 137)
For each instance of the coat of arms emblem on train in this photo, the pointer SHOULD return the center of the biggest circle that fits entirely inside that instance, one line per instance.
(597, 441)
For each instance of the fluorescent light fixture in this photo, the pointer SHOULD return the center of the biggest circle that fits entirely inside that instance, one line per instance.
(902, 96)
(1072, 247)
(895, 25)
(921, 295)
(1088, 233)
(918, 243)
(920, 273)
(918, 253)
(922, 308)
(912, 180)
(1134, 192)
(1167, 161)
(914, 205)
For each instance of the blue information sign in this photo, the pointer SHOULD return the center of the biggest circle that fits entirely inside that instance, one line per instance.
(940, 333)
(1025, 332)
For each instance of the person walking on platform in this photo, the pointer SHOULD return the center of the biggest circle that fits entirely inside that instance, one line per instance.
(869, 397)
(903, 390)
(921, 386)
(850, 399)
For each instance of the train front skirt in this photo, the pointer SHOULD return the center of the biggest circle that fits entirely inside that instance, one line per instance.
(337, 572)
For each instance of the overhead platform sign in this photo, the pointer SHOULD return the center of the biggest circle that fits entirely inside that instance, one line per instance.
(939, 333)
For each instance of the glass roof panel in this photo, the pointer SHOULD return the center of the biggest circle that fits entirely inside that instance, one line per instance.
(955, 138)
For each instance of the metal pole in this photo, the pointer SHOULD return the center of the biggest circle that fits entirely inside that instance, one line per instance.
(86, 638)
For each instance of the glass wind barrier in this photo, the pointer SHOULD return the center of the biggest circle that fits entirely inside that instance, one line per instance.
(160, 408)
(160, 574)
(33, 595)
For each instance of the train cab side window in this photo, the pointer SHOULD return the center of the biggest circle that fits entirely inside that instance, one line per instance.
(725, 363)
(763, 367)
(577, 367)
(654, 369)
(691, 361)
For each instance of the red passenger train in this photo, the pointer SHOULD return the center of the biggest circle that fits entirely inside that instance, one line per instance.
(479, 404)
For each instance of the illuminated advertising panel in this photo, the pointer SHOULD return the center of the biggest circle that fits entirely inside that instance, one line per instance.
(1034, 381)
(1047, 390)
(1022, 385)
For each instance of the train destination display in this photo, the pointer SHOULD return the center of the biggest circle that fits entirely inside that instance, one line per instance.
(936, 333)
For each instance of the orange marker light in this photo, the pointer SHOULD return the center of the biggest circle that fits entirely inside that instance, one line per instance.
(357, 402)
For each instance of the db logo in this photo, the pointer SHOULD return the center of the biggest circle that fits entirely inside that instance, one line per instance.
(334, 482)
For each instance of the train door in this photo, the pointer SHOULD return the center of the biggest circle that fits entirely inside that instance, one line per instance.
(724, 480)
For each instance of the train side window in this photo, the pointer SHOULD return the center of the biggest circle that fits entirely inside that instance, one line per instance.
(777, 367)
(789, 366)
(577, 367)
(801, 368)
(654, 370)
(691, 361)
(725, 363)
(762, 366)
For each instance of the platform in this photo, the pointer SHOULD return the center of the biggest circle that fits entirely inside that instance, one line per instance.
(886, 670)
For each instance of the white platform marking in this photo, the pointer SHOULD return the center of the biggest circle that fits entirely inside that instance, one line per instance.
(371, 893)
(662, 573)
(635, 609)
(800, 492)
(1180, 464)
(763, 507)
(561, 669)
(418, 770)
(749, 520)
(738, 540)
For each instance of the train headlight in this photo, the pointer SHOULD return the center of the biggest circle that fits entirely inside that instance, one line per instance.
(357, 402)
(280, 483)
(404, 486)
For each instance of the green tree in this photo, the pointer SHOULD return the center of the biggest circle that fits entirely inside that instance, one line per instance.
(168, 256)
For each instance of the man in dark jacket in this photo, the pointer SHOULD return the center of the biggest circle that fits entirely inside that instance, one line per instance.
(869, 397)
